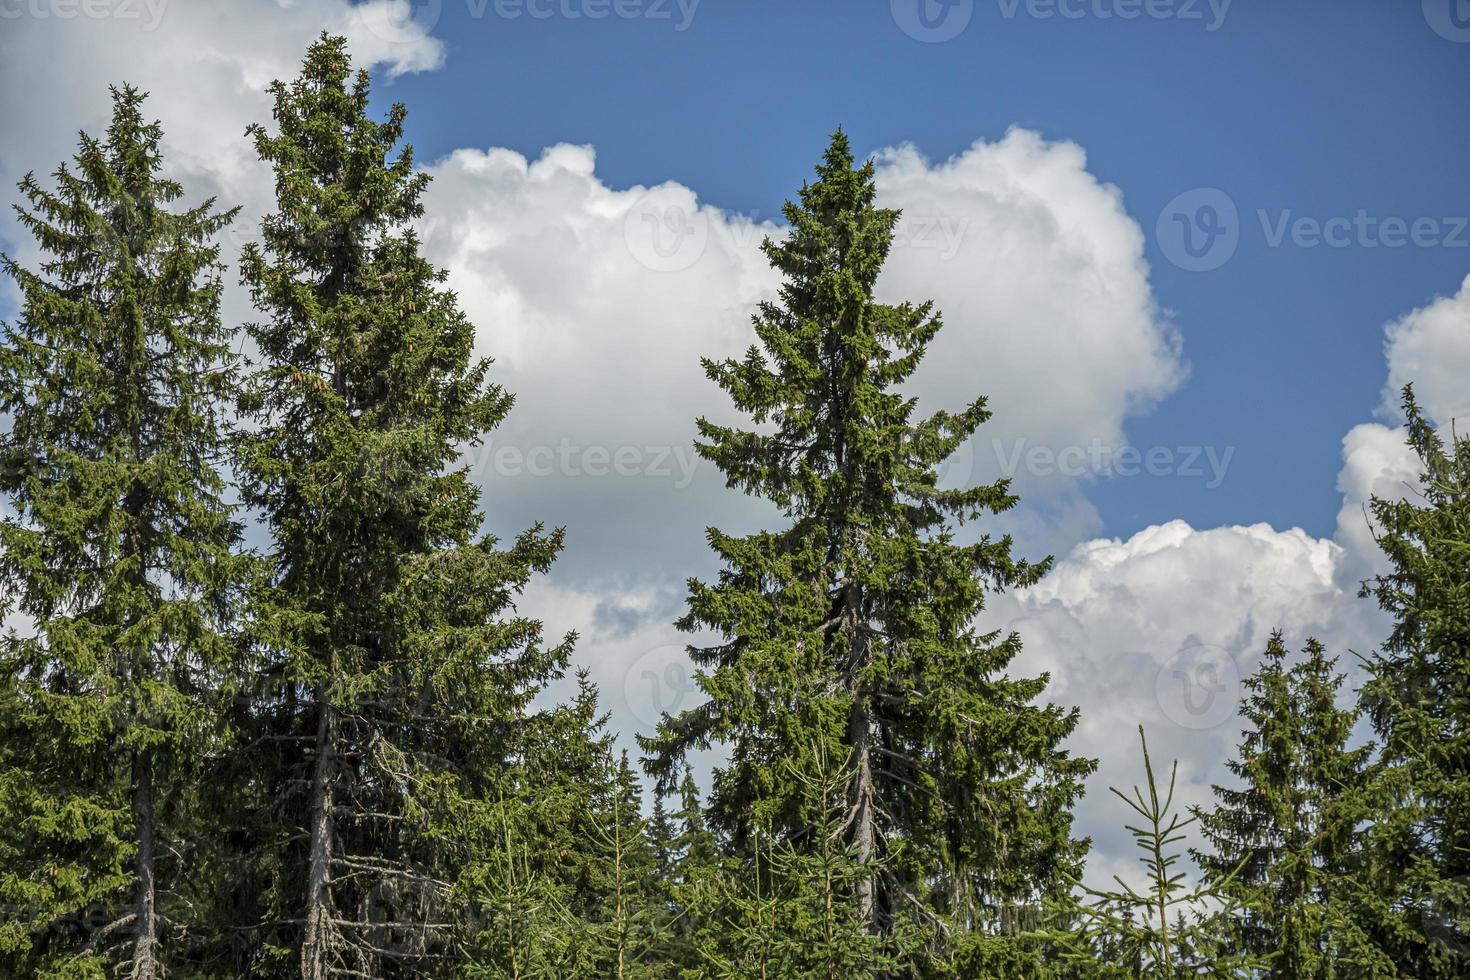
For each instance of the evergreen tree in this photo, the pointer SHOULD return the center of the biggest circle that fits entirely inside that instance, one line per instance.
(846, 634)
(119, 553)
(663, 838)
(394, 709)
(629, 917)
(1418, 699)
(1283, 844)
(696, 846)
(572, 887)
(1166, 930)
(793, 911)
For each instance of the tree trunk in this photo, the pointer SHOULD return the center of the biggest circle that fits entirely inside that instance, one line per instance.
(864, 832)
(314, 946)
(145, 926)
(860, 737)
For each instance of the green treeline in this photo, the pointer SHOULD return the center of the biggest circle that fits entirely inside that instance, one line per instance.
(329, 755)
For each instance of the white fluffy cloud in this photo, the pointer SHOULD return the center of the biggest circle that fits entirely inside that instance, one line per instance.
(1161, 628)
(206, 65)
(1430, 348)
(1039, 273)
(1158, 630)
(600, 302)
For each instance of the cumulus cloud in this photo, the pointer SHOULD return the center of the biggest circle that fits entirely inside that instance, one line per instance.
(1159, 629)
(600, 301)
(1430, 348)
(206, 65)
(1040, 276)
(1377, 462)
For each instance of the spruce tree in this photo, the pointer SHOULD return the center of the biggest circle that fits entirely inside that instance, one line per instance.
(846, 634)
(696, 847)
(571, 885)
(395, 692)
(120, 553)
(1418, 699)
(628, 915)
(1167, 929)
(1283, 843)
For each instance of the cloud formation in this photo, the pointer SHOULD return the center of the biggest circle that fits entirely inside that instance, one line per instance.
(1430, 348)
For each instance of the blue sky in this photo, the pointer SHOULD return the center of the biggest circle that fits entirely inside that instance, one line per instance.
(1266, 154)
(1308, 108)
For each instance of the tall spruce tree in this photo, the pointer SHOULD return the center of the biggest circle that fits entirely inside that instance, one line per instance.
(120, 553)
(1418, 699)
(394, 710)
(846, 634)
(1283, 844)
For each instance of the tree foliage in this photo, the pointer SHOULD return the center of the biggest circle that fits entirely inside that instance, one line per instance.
(1418, 699)
(120, 552)
(847, 634)
(395, 680)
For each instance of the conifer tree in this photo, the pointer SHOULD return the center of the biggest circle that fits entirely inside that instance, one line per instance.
(572, 887)
(791, 913)
(627, 913)
(395, 703)
(1167, 929)
(119, 552)
(696, 846)
(1283, 843)
(1418, 699)
(846, 633)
